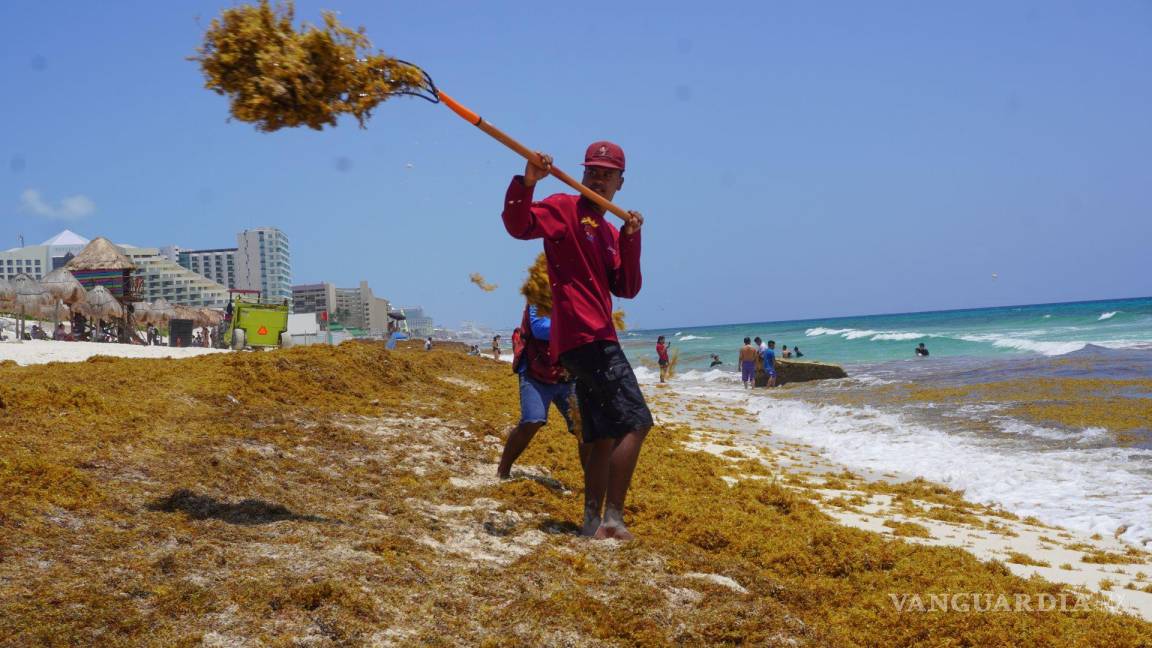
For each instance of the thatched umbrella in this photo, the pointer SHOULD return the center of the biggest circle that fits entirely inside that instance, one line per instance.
(142, 313)
(65, 289)
(30, 296)
(211, 317)
(180, 311)
(55, 312)
(63, 286)
(7, 292)
(100, 304)
(162, 311)
(7, 298)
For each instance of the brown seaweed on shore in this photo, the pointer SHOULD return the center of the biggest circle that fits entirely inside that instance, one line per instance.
(369, 476)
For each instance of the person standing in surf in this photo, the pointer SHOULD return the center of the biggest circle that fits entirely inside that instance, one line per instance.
(589, 261)
(748, 363)
(662, 357)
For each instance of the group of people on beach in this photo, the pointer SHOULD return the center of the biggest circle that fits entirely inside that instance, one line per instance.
(572, 359)
(759, 361)
(79, 329)
(761, 357)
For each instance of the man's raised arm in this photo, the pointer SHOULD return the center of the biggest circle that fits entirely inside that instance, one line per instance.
(522, 218)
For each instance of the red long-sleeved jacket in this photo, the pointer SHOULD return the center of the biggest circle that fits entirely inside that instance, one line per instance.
(588, 262)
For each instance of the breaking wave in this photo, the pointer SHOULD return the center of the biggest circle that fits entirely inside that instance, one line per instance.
(856, 334)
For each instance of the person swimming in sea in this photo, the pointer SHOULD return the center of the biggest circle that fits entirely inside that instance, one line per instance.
(922, 350)
(716, 360)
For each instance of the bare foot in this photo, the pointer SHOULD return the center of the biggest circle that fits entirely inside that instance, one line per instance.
(613, 532)
(613, 526)
(591, 519)
(591, 526)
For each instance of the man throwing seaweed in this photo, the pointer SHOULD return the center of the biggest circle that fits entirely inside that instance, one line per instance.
(588, 262)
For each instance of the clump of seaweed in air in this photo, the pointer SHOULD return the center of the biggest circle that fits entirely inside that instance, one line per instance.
(480, 281)
(278, 76)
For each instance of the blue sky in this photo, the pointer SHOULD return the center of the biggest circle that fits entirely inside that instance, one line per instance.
(792, 160)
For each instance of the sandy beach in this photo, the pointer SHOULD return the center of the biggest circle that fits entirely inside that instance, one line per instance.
(347, 495)
(31, 352)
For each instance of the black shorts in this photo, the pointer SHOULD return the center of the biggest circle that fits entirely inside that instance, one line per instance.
(609, 397)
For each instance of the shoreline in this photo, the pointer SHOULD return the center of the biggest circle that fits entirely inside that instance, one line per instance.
(874, 501)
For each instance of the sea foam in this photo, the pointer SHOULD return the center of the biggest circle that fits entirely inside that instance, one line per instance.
(856, 334)
(1048, 348)
(1094, 490)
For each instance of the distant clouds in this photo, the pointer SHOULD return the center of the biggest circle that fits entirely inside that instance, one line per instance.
(71, 208)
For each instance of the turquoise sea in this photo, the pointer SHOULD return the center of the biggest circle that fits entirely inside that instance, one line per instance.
(1086, 476)
(1041, 329)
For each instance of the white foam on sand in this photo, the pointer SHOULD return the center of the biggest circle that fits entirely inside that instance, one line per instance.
(1094, 490)
(1089, 489)
(844, 433)
(709, 375)
(44, 351)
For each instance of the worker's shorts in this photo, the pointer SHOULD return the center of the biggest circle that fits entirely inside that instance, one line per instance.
(536, 396)
(611, 404)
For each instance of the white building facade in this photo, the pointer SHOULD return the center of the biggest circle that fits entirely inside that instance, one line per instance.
(263, 262)
(160, 276)
(217, 265)
(351, 307)
(38, 260)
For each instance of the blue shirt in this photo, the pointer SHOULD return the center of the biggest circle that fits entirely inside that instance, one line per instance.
(541, 330)
(541, 326)
(769, 357)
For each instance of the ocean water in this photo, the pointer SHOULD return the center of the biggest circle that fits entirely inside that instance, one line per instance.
(1045, 329)
(1087, 478)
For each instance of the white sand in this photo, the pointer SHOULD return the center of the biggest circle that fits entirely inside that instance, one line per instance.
(43, 351)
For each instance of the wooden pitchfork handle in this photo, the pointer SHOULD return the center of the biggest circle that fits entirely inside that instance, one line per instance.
(531, 156)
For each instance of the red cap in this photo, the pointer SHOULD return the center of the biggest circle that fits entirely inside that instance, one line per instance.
(604, 154)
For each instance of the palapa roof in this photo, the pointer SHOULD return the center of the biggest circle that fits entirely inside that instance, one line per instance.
(100, 254)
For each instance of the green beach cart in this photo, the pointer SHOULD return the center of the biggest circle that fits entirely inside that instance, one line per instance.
(257, 324)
